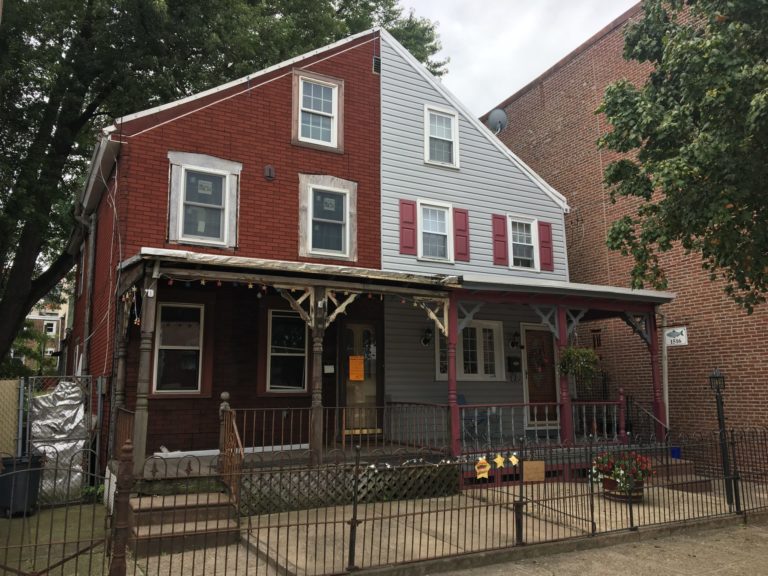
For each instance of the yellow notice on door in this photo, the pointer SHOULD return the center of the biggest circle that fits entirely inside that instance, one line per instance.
(356, 368)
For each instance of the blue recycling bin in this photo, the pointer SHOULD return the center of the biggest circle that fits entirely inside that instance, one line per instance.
(20, 485)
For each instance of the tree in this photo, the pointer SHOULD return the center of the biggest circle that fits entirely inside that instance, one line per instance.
(29, 344)
(696, 142)
(68, 67)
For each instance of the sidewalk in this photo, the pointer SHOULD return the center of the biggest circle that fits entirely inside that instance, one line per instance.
(728, 549)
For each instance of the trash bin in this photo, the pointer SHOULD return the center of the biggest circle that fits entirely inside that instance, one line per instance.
(20, 485)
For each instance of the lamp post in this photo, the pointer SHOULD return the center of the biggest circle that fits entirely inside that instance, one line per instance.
(717, 384)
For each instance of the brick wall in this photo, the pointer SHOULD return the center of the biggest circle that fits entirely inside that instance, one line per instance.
(254, 127)
(553, 127)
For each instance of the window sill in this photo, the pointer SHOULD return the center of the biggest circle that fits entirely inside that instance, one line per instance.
(454, 167)
(317, 146)
(285, 394)
(178, 395)
(329, 256)
(438, 260)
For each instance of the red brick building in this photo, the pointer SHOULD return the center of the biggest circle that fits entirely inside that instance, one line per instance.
(553, 127)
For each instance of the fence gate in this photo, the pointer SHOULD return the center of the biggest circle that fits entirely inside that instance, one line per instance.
(56, 530)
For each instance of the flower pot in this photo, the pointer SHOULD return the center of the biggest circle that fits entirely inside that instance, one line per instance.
(611, 491)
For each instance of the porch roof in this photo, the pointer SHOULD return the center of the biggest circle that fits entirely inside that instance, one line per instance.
(240, 267)
(486, 282)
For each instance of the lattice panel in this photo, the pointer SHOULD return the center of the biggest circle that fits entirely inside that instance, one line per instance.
(9, 415)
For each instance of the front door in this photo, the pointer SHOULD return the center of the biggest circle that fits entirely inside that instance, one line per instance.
(540, 375)
(360, 415)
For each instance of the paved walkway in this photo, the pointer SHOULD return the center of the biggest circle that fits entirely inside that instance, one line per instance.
(730, 549)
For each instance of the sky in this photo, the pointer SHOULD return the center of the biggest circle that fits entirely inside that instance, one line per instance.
(498, 46)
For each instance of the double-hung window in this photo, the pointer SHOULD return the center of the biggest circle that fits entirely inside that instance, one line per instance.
(441, 138)
(329, 227)
(479, 352)
(317, 110)
(203, 199)
(327, 217)
(523, 242)
(178, 348)
(435, 225)
(287, 364)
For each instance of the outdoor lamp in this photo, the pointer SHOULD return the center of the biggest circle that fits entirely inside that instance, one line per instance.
(427, 338)
(717, 381)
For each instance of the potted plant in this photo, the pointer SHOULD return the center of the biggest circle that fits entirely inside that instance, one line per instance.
(581, 363)
(623, 474)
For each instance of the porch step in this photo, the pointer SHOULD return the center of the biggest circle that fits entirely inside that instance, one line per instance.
(674, 467)
(179, 522)
(697, 484)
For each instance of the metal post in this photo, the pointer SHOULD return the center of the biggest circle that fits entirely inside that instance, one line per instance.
(453, 406)
(629, 503)
(724, 447)
(520, 502)
(223, 413)
(122, 527)
(354, 522)
(735, 478)
(622, 417)
(593, 524)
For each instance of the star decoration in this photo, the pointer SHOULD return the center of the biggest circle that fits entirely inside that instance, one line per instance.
(499, 460)
(514, 460)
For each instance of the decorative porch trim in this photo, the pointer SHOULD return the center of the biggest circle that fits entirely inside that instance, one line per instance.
(340, 308)
(296, 304)
(641, 329)
(435, 309)
(548, 317)
(573, 319)
(468, 315)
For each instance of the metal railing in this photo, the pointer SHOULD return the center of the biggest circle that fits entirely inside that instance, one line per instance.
(371, 511)
(602, 421)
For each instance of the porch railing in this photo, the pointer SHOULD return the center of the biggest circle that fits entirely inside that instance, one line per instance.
(598, 421)
(486, 427)
(231, 455)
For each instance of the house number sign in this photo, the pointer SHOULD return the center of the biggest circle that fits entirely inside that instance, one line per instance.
(677, 336)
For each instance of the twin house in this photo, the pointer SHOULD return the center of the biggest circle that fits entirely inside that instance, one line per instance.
(339, 249)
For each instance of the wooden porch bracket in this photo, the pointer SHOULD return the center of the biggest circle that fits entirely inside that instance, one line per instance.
(641, 329)
(548, 317)
(574, 319)
(468, 315)
(435, 309)
(341, 308)
(296, 303)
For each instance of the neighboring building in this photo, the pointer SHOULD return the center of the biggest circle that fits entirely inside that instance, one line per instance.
(304, 239)
(48, 322)
(553, 127)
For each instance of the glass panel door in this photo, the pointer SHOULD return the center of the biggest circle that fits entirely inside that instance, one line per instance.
(360, 381)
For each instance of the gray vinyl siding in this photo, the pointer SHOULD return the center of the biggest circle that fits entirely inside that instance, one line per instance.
(487, 182)
(410, 368)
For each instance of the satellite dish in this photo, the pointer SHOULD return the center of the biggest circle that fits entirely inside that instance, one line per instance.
(497, 120)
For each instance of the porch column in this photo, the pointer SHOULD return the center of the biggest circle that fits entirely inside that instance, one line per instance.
(122, 345)
(453, 406)
(566, 411)
(140, 419)
(318, 332)
(659, 410)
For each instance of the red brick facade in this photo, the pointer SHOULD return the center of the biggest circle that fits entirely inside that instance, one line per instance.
(250, 123)
(553, 128)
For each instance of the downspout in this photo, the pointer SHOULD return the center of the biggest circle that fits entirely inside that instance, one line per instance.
(664, 367)
(89, 292)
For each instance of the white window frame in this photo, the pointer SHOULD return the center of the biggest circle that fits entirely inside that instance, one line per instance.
(307, 184)
(442, 111)
(52, 324)
(534, 223)
(420, 229)
(498, 345)
(269, 354)
(334, 115)
(346, 224)
(158, 325)
(183, 162)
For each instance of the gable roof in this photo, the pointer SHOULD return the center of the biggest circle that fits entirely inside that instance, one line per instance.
(556, 196)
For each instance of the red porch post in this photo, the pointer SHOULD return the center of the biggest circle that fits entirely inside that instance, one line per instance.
(566, 412)
(453, 407)
(659, 410)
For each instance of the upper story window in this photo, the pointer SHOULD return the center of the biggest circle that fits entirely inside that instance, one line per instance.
(318, 110)
(435, 231)
(178, 348)
(287, 365)
(203, 199)
(479, 352)
(441, 136)
(49, 327)
(521, 235)
(327, 217)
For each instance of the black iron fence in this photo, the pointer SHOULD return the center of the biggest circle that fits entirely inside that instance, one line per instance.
(378, 508)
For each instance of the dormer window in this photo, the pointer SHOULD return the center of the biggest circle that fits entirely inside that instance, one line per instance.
(441, 136)
(318, 110)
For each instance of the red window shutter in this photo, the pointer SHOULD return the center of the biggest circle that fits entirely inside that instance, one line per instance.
(407, 227)
(546, 252)
(500, 246)
(461, 234)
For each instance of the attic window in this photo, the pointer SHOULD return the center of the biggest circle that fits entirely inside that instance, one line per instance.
(318, 111)
(441, 136)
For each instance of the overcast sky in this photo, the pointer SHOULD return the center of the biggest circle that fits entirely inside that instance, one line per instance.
(497, 46)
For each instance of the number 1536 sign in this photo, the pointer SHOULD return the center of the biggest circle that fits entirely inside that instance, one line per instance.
(677, 336)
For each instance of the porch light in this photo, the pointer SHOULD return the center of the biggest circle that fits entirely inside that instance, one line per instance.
(717, 381)
(514, 340)
(426, 340)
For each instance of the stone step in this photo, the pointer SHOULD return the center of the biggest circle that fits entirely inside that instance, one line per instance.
(169, 538)
(154, 510)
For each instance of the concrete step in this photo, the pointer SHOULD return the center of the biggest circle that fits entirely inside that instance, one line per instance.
(673, 467)
(153, 540)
